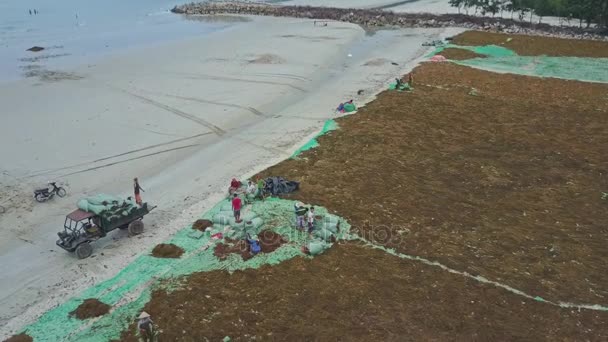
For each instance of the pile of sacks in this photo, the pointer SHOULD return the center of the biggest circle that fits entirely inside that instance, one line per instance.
(325, 233)
(109, 208)
(250, 222)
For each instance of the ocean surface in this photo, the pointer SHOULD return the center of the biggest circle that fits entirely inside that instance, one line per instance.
(75, 32)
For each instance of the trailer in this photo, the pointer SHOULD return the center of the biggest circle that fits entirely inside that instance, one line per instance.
(83, 227)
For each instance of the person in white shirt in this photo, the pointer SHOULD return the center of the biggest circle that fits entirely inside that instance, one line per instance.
(252, 189)
(311, 219)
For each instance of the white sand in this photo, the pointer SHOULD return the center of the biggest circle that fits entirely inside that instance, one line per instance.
(185, 118)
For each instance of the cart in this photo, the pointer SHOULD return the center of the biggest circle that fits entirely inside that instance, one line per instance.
(83, 227)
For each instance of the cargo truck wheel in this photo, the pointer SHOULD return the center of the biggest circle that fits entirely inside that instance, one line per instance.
(136, 227)
(84, 250)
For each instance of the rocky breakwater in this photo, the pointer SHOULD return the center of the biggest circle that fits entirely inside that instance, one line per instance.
(376, 18)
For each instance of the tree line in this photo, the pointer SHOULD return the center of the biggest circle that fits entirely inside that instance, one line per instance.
(586, 12)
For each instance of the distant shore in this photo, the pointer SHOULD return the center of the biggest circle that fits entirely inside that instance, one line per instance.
(381, 18)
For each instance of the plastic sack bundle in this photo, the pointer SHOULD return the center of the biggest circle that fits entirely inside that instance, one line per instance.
(349, 107)
(324, 234)
(107, 205)
(226, 207)
(328, 222)
(316, 247)
(226, 218)
(85, 205)
(103, 199)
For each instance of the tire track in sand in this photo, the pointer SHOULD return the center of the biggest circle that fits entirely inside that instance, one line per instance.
(127, 160)
(196, 99)
(215, 129)
(48, 171)
(233, 79)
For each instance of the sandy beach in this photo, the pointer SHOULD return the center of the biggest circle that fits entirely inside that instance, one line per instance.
(185, 117)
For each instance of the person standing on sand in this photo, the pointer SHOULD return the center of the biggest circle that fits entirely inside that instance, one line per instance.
(410, 79)
(236, 208)
(136, 189)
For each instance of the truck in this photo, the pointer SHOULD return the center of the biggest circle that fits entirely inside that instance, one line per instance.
(82, 227)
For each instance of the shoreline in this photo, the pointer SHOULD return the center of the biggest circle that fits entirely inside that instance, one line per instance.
(393, 141)
(310, 103)
(340, 78)
(376, 18)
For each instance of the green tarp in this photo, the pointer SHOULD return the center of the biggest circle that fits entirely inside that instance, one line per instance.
(129, 290)
(501, 59)
(330, 125)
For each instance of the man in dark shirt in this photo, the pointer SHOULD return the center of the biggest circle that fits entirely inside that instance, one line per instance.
(301, 211)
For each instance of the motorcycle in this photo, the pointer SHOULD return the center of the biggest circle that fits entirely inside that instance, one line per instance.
(45, 194)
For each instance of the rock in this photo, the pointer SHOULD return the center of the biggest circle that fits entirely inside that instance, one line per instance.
(35, 49)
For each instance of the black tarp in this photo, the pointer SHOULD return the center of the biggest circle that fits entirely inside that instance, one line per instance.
(278, 186)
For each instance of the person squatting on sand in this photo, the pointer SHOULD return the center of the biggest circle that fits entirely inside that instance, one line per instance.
(145, 325)
(234, 186)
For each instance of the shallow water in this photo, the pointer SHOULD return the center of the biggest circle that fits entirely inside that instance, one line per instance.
(77, 32)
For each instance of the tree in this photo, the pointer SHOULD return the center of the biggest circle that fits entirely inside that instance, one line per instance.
(520, 6)
(508, 6)
(588, 11)
(494, 7)
(457, 3)
(542, 7)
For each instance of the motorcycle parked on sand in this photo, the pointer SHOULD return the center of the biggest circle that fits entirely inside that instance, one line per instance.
(45, 194)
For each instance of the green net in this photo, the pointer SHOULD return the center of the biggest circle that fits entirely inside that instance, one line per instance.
(572, 68)
(501, 59)
(330, 125)
(402, 87)
(130, 289)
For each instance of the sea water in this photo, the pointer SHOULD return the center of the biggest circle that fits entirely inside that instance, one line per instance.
(75, 32)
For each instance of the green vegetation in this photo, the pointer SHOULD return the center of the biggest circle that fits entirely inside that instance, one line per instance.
(585, 11)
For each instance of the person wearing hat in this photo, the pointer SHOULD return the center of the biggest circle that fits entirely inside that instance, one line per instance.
(145, 326)
(301, 211)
